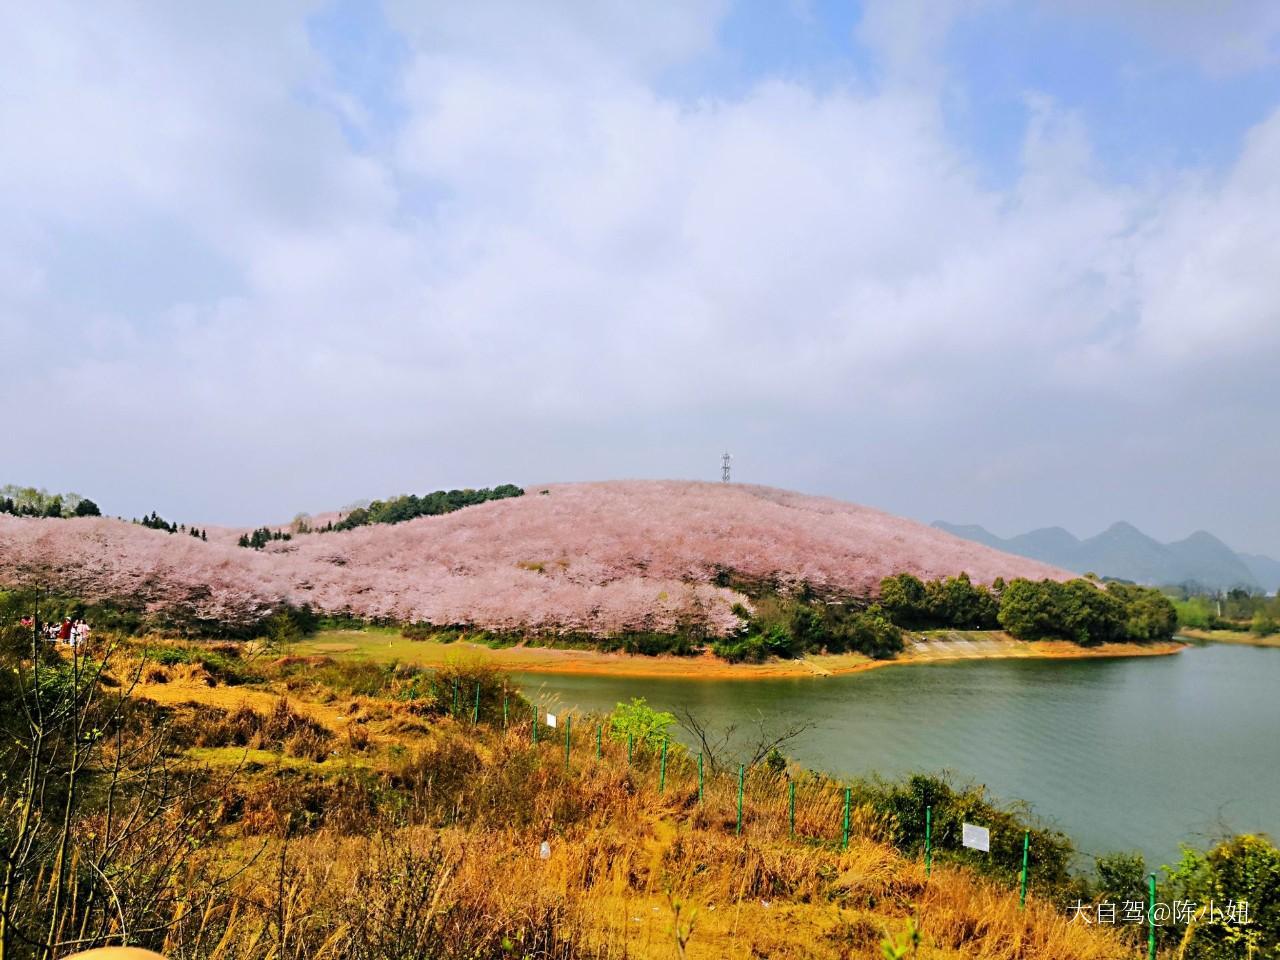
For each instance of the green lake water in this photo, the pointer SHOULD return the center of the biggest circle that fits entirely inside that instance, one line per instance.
(1121, 754)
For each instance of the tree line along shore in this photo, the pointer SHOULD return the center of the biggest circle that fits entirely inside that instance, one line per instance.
(1085, 614)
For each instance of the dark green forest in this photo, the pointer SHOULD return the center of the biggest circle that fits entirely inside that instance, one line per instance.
(409, 506)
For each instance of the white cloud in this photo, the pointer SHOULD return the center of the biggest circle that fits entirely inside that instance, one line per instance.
(1206, 269)
(549, 247)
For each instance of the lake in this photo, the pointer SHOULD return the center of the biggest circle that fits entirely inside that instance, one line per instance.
(1121, 754)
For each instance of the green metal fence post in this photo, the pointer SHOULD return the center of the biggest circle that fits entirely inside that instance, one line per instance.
(699, 778)
(742, 776)
(475, 714)
(662, 769)
(568, 735)
(1026, 852)
(504, 708)
(1151, 919)
(455, 695)
(535, 723)
(791, 806)
(928, 840)
(599, 737)
(630, 743)
(844, 833)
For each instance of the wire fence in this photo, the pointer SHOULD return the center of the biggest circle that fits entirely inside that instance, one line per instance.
(761, 801)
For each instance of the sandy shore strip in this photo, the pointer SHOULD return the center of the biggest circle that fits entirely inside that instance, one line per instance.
(1239, 637)
(930, 647)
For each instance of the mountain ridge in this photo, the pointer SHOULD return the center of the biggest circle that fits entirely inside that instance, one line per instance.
(1127, 553)
(1265, 569)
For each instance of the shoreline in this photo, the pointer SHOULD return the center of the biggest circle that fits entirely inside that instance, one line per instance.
(932, 647)
(1232, 637)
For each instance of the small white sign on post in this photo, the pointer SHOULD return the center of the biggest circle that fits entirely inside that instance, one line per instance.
(551, 719)
(545, 850)
(975, 837)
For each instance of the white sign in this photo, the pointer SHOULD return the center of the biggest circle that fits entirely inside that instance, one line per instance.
(975, 837)
(551, 719)
(545, 850)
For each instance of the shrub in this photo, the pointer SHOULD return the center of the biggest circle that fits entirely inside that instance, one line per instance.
(419, 630)
(868, 632)
(641, 722)
(903, 599)
(645, 642)
(904, 803)
(222, 662)
(1121, 877)
(1194, 612)
(1245, 868)
(1090, 616)
(956, 602)
(749, 649)
(1149, 614)
(471, 679)
(284, 729)
(440, 770)
(952, 602)
(1080, 611)
(790, 626)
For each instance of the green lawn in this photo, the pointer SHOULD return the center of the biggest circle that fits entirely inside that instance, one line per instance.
(384, 644)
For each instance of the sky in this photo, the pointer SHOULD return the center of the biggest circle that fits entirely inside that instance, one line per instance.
(1013, 263)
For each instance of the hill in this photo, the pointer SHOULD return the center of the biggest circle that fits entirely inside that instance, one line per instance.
(587, 557)
(1264, 569)
(1125, 552)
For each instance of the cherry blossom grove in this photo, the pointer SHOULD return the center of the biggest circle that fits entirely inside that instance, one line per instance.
(590, 557)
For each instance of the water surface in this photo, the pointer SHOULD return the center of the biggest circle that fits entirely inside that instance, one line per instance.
(1127, 754)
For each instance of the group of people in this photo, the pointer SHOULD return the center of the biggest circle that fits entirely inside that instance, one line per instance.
(68, 631)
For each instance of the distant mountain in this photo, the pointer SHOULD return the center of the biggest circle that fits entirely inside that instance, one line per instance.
(1125, 552)
(1046, 540)
(1264, 569)
(1210, 561)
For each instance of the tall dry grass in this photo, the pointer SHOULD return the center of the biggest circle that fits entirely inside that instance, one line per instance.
(454, 868)
(422, 837)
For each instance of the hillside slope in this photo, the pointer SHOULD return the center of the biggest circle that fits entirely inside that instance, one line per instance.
(1264, 569)
(594, 557)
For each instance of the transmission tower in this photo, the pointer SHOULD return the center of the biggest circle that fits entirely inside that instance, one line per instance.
(724, 467)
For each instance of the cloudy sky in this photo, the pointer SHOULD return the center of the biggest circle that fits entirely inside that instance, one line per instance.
(1015, 263)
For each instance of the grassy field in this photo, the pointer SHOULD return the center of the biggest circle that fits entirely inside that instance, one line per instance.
(634, 865)
(384, 645)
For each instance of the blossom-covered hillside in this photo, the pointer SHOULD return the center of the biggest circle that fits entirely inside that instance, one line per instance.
(594, 557)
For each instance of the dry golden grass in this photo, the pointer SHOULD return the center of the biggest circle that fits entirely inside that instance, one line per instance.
(611, 890)
(629, 868)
